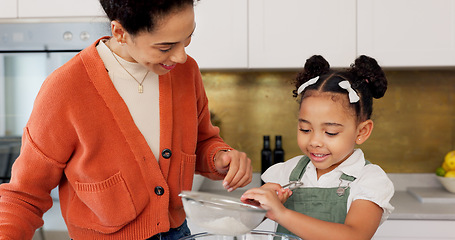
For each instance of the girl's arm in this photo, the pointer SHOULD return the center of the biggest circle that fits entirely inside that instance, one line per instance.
(361, 221)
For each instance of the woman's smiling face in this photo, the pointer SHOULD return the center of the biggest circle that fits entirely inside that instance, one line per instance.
(164, 47)
(327, 130)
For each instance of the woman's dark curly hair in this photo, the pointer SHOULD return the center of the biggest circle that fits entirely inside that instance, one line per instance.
(365, 76)
(141, 15)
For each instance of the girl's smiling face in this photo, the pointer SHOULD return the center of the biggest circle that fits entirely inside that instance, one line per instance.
(327, 130)
(164, 47)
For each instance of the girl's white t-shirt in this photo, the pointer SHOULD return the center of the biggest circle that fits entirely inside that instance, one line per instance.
(371, 182)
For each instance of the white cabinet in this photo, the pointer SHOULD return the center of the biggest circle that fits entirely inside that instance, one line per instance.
(270, 34)
(415, 229)
(283, 34)
(407, 33)
(8, 8)
(260, 34)
(220, 38)
(59, 8)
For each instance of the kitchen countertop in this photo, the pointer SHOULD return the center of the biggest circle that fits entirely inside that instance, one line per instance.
(407, 206)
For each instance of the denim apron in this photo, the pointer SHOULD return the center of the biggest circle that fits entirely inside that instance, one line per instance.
(327, 204)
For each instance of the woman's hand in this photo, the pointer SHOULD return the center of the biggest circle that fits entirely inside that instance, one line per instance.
(237, 166)
(270, 197)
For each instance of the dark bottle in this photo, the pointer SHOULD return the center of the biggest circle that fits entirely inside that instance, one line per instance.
(278, 152)
(266, 155)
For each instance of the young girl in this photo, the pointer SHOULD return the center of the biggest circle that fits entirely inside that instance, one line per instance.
(343, 196)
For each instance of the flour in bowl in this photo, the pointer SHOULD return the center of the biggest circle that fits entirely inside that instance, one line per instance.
(225, 226)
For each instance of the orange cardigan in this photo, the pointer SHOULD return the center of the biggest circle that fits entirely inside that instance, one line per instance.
(81, 137)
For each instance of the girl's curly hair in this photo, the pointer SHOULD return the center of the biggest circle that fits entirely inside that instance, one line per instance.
(365, 76)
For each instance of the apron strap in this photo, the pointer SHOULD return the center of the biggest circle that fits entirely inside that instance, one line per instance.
(299, 169)
(347, 177)
(352, 178)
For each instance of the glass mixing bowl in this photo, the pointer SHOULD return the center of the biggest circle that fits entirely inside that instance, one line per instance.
(220, 214)
(253, 235)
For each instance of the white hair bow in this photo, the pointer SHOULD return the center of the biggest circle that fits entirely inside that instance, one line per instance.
(306, 84)
(353, 97)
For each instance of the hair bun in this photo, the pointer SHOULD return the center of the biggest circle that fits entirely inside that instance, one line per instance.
(316, 65)
(367, 69)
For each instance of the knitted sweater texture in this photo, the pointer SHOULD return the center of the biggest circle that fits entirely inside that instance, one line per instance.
(82, 138)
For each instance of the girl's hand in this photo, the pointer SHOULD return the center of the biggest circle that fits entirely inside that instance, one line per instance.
(283, 193)
(270, 197)
(237, 166)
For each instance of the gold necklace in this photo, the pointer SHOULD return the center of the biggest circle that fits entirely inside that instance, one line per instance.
(140, 88)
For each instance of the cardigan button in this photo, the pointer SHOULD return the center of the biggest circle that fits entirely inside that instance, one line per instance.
(166, 153)
(159, 190)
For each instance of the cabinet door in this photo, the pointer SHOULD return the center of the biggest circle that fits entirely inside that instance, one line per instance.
(403, 33)
(59, 8)
(220, 38)
(283, 34)
(8, 9)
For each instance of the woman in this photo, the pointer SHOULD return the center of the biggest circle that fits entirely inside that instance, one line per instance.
(121, 128)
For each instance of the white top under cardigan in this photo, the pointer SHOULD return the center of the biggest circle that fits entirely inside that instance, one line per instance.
(371, 183)
(144, 107)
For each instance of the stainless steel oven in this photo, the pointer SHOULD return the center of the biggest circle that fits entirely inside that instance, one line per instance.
(29, 52)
